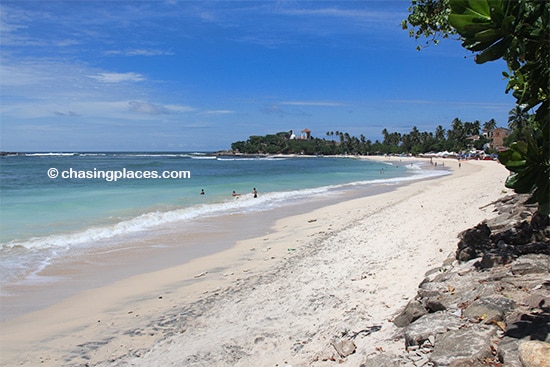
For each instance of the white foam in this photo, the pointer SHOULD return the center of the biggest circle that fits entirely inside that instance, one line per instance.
(50, 154)
(252, 159)
(202, 157)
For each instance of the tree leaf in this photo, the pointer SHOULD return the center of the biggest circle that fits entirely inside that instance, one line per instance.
(488, 35)
(495, 51)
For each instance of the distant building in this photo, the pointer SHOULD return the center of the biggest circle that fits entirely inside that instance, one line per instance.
(305, 135)
(498, 135)
(472, 139)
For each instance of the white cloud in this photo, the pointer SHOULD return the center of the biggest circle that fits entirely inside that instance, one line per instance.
(218, 112)
(66, 114)
(118, 77)
(147, 108)
(179, 108)
(313, 103)
(139, 52)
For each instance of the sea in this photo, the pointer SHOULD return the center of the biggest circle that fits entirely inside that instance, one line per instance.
(56, 205)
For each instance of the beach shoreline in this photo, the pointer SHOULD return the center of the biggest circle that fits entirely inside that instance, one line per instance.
(137, 316)
(167, 245)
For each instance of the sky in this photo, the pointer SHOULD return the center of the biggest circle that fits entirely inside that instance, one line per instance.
(153, 75)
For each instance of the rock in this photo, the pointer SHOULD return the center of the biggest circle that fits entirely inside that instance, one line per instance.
(540, 247)
(431, 289)
(434, 305)
(540, 221)
(516, 235)
(533, 325)
(430, 325)
(477, 310)
(507, 352)
(531, 263)
(344, 347)
(380, 360)
(412, 312)
(534, 353)
(467, 346)
(473, 242)
(493, 258)
(489, 309)
(539, 297)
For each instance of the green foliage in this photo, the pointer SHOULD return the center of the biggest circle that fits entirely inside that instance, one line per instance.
(415, 142)
(528, 162)
(429, 19)
(517, 32)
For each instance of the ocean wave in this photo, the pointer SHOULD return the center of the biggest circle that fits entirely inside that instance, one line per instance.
(251, 158)
(51, 154)
(159, 155)
(202, 157)
(156, 219)
(23, 260)
(244, 203)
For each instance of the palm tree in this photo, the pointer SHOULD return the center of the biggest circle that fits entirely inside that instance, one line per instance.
(414, 136)
(472, 128)
(440, 133)
(518, 119)
(489, 125)
(457, 134)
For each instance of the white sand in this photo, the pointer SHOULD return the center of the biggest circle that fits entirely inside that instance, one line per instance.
(275, 300)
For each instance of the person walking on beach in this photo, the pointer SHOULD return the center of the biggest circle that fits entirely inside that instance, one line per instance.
(255, 193)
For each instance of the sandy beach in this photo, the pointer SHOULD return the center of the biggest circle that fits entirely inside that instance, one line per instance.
(276, 299)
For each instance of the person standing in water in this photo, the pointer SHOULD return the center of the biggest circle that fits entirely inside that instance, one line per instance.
(255, 193)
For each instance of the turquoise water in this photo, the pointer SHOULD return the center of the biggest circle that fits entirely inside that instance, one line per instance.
(43, 218)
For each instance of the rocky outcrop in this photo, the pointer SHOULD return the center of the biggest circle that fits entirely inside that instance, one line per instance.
(488, 306)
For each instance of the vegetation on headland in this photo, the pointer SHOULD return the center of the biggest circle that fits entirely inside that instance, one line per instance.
(514, 31)
(460, 137)
(518, 33)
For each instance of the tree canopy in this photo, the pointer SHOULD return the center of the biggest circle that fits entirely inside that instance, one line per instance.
(461, 136)
(518, 33)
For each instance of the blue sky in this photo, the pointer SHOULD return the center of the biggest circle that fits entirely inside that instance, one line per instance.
(198, 75)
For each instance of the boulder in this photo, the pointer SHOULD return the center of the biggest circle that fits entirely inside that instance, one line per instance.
(467, 346)
(430, 325)
(434, 305)
(473, 242)
(493, 258)
(531, 263)
(344, 347)
(533, 325)
(534, 353)
(516, 235)
(539, 247)
(412, 312)
(432, 289)
(507, 352)
(489, 309)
